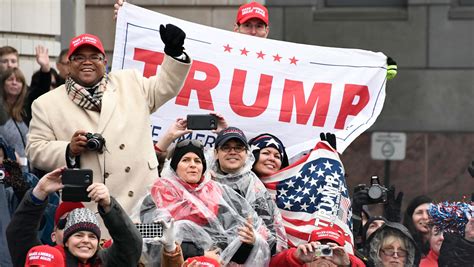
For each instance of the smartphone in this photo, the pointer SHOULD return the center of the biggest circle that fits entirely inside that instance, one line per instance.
(150, 230)
(201, 122)
(76, 182)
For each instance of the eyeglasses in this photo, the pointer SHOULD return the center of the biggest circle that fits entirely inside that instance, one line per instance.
(81, 58)
(62, 223)
(237, 149)
(186, 142)
(390, 252)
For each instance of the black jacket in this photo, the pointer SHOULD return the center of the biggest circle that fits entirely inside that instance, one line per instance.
(127, 241)
(456, 251)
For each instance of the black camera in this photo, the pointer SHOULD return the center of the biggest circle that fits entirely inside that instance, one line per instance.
(95, 142)
(376, 192)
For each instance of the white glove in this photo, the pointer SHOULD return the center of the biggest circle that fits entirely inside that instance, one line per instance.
(169, 236)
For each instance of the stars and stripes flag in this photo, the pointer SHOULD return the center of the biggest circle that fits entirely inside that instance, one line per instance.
(312, 193)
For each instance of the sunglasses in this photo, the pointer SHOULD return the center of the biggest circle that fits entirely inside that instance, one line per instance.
(62, 223)
(186, 142)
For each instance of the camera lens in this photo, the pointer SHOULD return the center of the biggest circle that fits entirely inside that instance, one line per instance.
(92, 144)
(326, 251)
(375, 192)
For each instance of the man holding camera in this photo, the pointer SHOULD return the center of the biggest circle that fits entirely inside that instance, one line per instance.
(326, 248)
(101, 121)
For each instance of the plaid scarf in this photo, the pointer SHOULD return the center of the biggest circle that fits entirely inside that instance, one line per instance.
(82, 96)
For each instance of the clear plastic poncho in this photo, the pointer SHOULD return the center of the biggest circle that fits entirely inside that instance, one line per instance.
(207, 214)
(249, 186)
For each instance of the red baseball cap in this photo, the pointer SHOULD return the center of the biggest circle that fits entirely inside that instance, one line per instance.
(44, 255)
(252, 10)
(204, 261)
(329, 233)
(65, 207)
(85, 39)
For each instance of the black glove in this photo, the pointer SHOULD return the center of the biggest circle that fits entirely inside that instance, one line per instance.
(173, 38)
(393, 205)
(15, 178)
(330, 138)
(359, 199)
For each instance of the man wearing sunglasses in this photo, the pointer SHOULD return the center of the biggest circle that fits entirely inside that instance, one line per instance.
(60, 220)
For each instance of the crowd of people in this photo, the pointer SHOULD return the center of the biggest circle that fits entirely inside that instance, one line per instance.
(213, 206)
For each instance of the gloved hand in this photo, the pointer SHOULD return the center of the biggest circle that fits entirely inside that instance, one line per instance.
(169, 236)
(393, 205)
(330, 138)
(391, 68)
(173, 38)
(359, 199)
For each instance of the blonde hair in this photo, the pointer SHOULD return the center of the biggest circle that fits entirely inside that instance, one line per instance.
(15, 110)
(392, 239)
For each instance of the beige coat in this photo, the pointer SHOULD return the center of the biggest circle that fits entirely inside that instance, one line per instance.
(129, 163)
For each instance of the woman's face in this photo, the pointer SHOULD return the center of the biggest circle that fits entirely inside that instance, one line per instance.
(269, 162)
(13, 86)
(393, 255)
(436, 240)
(83, 245)
(189, 168)
(373, 226)
(420, 218)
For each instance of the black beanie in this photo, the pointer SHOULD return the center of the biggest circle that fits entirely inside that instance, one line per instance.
(184, 147)
(417, 201)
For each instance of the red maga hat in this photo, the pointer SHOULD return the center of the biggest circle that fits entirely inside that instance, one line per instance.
(252, 10)
(85, 39)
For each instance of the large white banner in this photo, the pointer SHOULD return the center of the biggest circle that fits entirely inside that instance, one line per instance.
(293, 91)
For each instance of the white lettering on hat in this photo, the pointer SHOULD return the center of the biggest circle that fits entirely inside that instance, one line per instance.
(257, 10)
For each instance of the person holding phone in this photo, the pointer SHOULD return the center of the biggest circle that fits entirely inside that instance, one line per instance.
(81, 231)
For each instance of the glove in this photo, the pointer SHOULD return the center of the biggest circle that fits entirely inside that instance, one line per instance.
(359, 199)
(173, 38)
(391, 68)
(393, 205)
(330, 138)
(168, 238)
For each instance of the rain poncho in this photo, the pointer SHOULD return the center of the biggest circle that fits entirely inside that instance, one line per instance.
(249, 186)
(207, 214)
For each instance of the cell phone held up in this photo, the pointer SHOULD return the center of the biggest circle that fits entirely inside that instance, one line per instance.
(76, 182)
(201, 122)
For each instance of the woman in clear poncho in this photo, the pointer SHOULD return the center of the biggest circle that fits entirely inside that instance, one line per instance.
(206, 213)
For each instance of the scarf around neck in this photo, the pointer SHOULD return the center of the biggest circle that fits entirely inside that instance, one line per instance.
(83, 97)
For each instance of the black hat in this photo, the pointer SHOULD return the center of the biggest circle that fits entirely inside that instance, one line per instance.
(230, 133)
(184, 147)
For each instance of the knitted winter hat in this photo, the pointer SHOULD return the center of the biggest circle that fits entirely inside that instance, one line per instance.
(267, 140)
(65, 207)
(81, 220)
(184, 147)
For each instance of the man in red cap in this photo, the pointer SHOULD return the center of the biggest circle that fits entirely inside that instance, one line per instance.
(101, 121)
(326, 248)
(60, 219)
(252, 19)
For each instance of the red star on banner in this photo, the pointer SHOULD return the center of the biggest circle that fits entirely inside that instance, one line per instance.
(293, 60)
(260, 54)
(227, 48)
(244, 51)
(276, 58)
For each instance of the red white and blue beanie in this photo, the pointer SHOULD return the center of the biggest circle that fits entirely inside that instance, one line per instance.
(268, 140)
(81, 220)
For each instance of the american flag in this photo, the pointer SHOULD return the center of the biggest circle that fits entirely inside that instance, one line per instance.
(312, 193)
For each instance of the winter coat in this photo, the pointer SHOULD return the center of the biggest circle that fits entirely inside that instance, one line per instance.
(125, 250)
(456, 251)
(375, 241)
